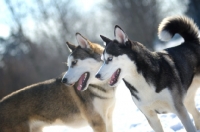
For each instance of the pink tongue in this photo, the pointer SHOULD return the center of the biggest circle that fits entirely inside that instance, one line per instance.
(113, 77)
(80, 81)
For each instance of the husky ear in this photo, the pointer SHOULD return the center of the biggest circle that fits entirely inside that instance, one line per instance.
(82, 41)
(71, 46)
(120, 36)
(105, 39)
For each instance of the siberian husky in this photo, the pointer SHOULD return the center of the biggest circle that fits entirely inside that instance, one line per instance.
(99, 102)
(159, 82)
(52, 102)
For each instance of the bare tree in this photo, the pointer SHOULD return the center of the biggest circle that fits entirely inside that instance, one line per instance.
(194, 10)
(138, 18)
(36, 48)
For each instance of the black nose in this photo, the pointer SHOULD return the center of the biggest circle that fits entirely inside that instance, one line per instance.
(98, 76)
(64, 80)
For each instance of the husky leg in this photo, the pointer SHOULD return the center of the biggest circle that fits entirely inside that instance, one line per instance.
(98, 125)
(183, 115)
(109, 122)
(190, 103)
(153, 120)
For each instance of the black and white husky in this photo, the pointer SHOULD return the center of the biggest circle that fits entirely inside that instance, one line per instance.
(159, 82)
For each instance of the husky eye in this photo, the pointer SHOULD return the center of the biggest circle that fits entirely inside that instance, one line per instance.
(109, 58)
(74, 62)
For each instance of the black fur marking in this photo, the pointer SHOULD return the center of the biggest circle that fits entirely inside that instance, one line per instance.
(98, 87)
(181, 25)
(157, 112)
(71, 46)
(153, 66)
(162, 112)
(96, 94)
(132, 89)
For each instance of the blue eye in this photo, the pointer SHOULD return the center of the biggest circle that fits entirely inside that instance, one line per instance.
(109, 58)
(74, 62)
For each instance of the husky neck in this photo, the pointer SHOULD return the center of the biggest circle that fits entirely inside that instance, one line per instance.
(144, 64)
(145, 61)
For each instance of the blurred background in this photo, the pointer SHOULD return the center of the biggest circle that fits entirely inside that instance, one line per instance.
(33, 33)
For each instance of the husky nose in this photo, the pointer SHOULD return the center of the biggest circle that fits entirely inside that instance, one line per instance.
(98, 76)
(64, 80)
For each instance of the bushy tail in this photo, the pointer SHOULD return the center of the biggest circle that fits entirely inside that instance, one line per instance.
(178, 24)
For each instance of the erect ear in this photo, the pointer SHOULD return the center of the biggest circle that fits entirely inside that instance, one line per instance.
(120, 36)
(105, 39)
(71, 46)
(82, 41)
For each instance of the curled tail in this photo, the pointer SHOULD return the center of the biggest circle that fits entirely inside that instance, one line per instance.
(178, 24)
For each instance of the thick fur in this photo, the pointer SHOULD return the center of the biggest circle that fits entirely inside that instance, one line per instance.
(159, 82)
(52, 102)
(87, 56)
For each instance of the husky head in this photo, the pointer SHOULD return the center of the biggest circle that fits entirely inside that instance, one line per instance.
(83, 63)
(117, 62)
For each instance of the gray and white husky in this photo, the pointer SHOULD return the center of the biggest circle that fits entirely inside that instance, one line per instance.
(53, 103)
(159, 82)
(99, 102)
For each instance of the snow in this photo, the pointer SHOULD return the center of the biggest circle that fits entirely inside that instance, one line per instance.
(127, 117)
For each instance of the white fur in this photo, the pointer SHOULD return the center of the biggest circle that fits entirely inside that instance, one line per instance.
(36, 125)
(165, 35)
(102, 57)
(107, 70)
(130, 74)
(190, 103)
(87, 65)
(104, 43)
(106, 114)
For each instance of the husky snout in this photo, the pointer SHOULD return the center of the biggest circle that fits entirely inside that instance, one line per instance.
(98, 75)
(67, 80)
(64, 80)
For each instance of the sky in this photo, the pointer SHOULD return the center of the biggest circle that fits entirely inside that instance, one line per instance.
(5, 16)
(4, 20)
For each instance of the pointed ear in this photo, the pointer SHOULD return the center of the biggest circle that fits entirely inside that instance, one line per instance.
(71, 46)
(120, 35)
(105, 39)
(82, 41)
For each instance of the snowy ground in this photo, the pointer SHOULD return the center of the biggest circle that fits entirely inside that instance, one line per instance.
(127, 117)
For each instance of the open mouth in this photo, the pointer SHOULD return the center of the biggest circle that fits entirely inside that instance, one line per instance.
(83, 81)
(114, 77)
